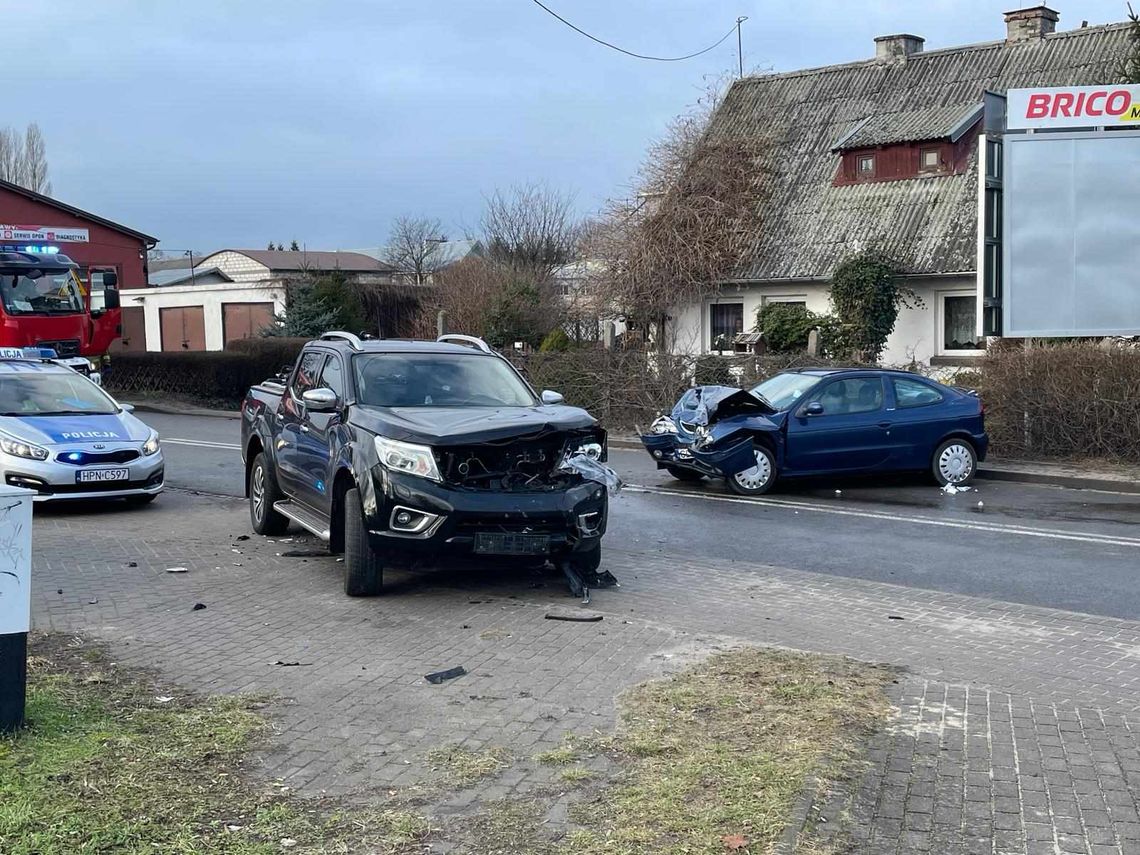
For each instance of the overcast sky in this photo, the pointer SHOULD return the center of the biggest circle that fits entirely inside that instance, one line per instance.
(213, 123)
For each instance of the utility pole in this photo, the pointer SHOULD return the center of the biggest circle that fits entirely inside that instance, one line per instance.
(739, 44)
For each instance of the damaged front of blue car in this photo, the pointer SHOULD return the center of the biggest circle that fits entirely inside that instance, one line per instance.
(719, 432)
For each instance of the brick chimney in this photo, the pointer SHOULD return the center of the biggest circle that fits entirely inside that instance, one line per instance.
(1024, 25)
(898, 46)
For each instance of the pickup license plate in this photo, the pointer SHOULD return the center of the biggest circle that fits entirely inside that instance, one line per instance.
(501, 543)
(88, 476)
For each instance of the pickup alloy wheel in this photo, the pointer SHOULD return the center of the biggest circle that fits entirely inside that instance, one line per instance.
(263, 492)
(363, 572)
(757, 479)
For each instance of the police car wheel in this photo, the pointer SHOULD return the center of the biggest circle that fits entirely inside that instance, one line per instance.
(263, 492)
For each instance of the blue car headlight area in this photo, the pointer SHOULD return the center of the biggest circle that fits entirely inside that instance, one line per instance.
(19, 448)
(152, 445)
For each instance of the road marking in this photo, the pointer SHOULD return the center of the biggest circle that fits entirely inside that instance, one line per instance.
(995, 528)
(201, 443)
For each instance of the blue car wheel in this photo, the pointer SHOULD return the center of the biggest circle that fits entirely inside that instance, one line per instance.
(759, 478)
(954, 462)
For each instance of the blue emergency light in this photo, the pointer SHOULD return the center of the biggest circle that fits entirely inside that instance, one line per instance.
(28, 353)
(44, 249)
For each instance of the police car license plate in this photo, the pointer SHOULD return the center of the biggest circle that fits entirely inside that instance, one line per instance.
(87, 476)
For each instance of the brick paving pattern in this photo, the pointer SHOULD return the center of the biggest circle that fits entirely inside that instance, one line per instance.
(1013, 730)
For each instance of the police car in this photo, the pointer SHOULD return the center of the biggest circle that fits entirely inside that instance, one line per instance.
(64, 437)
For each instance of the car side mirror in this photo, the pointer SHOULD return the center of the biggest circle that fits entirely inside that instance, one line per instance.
(319, 400)
(126, 408)
(815, 408)
(549, 397)
(110, 295)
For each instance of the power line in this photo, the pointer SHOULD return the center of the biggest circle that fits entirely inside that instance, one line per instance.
(576, 29)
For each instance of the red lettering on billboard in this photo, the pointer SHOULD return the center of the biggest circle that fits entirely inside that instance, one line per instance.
(1090, 106)
(1038, 106)
(1118, 102)
(1062, 104)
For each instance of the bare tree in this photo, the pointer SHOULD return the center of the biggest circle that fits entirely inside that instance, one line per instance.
(687, 230)
(531, 227)
(23, 160)
(415, 247)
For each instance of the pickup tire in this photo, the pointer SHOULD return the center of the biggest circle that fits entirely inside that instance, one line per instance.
(363, 572)
(263, 492)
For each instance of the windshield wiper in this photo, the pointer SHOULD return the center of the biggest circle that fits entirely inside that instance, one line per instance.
(67, 413)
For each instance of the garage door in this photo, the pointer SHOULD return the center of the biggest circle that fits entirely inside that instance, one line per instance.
(134, 331)
(183, 328)
(245, 320)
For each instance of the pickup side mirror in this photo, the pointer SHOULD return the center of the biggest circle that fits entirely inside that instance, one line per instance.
(319, 400)
(815, 408)
(549, 397)
(110, 293)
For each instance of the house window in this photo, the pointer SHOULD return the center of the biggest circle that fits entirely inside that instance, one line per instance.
(726, 320)
(959, 324)
(929, 160)
(866, 166)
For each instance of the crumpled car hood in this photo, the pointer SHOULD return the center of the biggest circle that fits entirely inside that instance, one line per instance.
(464, 425)
(702, 405)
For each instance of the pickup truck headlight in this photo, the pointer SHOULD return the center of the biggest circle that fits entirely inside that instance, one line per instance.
(152, 445)
(407, 457)
(18, 448)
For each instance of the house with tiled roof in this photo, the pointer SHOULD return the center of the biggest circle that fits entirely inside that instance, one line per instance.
(883, 153)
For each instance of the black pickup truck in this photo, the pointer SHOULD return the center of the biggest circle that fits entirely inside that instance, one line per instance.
(390, 450)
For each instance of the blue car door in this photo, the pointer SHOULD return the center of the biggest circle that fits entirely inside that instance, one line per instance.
(920, 421)
(293, 426)
(848, 431)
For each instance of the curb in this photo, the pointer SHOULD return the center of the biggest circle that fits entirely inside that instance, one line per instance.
(997, 472)
(173, 410)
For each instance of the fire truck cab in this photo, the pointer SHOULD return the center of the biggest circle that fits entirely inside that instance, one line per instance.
(43, 303)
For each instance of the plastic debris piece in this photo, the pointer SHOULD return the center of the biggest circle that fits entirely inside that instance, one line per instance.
(450, 674)
(895, 617)
(93, 601)
(592, 470)
(575, 616)
(981, 504)
(59, 590)
(198, 607)
(288, 842)
(839, 492)
(177, 570)
(953, 489)
(163, 699)
(242, 537)
(303, 553)
(234, 827)
(282, 664)
(132, 564)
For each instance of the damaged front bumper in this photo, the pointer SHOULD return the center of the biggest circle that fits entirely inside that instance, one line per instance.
(422, 517)
(681, 451)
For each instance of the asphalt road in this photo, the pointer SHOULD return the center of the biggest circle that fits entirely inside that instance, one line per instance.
(1047, 546)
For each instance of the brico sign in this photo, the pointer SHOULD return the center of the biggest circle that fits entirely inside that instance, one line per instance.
(1073, 107)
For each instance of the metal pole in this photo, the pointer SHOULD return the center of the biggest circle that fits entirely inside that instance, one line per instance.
(739, 44)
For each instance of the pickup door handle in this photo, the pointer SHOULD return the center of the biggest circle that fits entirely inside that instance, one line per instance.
(884, 424)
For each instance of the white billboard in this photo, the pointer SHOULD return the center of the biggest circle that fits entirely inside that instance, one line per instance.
(15, 560)
(42, 234)
(1070, 231)
(1073, 107)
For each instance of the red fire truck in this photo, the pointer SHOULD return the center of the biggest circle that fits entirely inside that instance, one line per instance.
(43, 303)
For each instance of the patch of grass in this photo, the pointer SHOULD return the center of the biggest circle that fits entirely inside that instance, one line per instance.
(103, 766)
(719, 755)
(563, 755)
(463, 767)
(576, 774)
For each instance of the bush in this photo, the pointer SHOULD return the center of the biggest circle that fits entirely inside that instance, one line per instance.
(276, 350)
(714, 371)
(216, 378)
(785, 326)
(866, 297)
(555, 341)
(1069, 400)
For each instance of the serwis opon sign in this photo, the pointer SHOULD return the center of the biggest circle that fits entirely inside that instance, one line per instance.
(1073, 107)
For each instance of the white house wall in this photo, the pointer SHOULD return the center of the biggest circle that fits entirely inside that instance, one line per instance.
(914, 339)
(210, 297)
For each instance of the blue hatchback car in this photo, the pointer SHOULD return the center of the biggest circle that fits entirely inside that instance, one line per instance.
(821, 422)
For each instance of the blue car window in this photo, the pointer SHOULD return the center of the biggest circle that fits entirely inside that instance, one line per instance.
(912, 393)
(851, 396)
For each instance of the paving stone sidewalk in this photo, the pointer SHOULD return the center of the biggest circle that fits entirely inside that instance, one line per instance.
(1013, 730)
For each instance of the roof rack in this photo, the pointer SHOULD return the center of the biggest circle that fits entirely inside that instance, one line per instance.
(470, 340)
(339, 335)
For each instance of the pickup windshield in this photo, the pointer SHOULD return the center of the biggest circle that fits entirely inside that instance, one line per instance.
(49, 293)
(438, 380)
(70, 394)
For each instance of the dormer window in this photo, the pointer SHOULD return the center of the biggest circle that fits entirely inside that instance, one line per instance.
(929, 160)
(866, 166)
